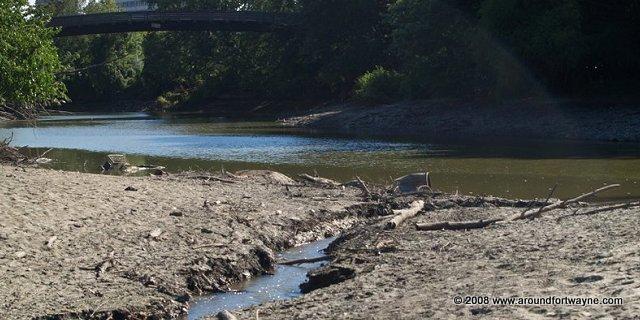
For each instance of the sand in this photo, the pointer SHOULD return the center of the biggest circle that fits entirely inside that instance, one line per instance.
(80, 244)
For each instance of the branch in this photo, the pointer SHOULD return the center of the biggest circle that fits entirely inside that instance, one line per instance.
(562, 204)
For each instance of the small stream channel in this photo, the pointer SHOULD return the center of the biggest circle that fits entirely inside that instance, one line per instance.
(283, 285)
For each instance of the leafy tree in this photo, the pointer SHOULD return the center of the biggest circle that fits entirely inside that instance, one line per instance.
(343, 39)
(378, 86)
(546, 34)
(100, 67)
(28, 60)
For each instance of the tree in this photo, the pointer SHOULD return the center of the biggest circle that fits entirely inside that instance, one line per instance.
(545, 34)
(439, 48)
(28, 61)
(100, 67)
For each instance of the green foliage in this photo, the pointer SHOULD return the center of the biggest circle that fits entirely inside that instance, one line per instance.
(28, 60)
(546, 34)
(343, 39)
(378, 86)
(474, 49)
(101, 67)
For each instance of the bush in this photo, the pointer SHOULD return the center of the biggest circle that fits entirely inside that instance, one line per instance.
(378, 86)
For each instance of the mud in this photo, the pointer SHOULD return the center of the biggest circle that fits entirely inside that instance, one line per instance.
(75, 245)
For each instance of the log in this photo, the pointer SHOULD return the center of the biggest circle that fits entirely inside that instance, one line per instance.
(561, 204)
(602, 209)
(458, 225)
(404, 214)
(320, 181)
(301, 261)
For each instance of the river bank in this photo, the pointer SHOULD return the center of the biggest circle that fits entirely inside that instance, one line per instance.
(522, 119)
(97, 246)
(410, 274)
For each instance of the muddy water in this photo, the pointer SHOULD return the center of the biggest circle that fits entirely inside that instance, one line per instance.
(520, 169)
(283, 285)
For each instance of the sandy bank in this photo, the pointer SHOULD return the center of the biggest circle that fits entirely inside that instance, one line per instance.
(597, 121)
(75, 244)
(410, 274)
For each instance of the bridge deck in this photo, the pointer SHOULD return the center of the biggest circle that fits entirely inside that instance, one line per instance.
(118, 22)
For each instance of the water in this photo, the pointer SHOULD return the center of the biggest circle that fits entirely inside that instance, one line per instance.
(283, 285)
(520, 169)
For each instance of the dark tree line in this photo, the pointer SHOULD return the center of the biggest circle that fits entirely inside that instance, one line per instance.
(372, 50)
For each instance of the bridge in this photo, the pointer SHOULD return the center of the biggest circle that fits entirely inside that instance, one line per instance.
(119, 22)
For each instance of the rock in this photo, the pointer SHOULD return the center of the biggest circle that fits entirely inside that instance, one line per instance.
(325, 277)
(155, 233)
(115, 162)
(43, 161)
(20, 254)
(130, 189)
(205, 230)
(269, 176)
(412, 183)
(51, 242)
(176, 213)
(225, 315)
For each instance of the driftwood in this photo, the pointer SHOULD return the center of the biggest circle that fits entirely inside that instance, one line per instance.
(462, 225)
(363, 186)
(319, 180)
(301, 261)
(404, 214)
(561, 204)
(601, 209)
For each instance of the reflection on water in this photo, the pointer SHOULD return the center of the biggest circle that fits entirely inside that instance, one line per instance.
(283, 285)
(201, 143)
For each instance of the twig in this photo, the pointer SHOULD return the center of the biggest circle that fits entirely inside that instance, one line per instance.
(367, 192)
(44, 153)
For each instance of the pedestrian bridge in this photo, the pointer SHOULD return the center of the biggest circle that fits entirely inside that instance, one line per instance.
(119, 22)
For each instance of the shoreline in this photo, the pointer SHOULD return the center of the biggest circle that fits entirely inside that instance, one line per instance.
(437, 119)
(137, 247)
(579, 120)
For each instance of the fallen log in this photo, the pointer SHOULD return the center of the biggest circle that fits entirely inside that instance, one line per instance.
(561, 204)
(404, 214)
(601, 209)
(458, 225)
(301, 261)
(319, 180)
